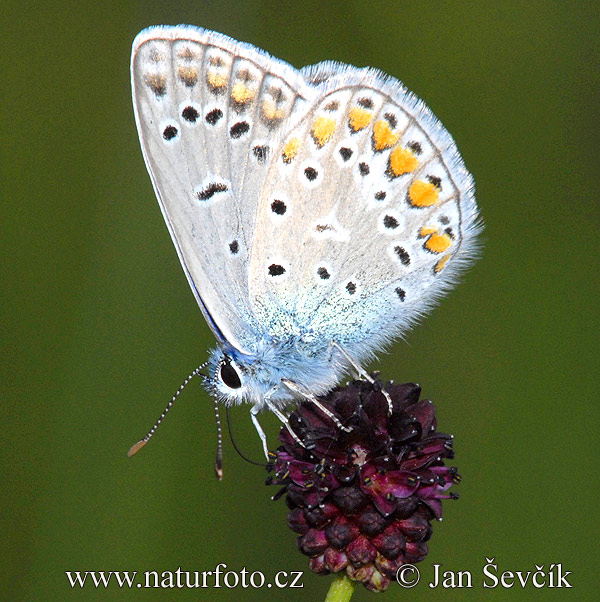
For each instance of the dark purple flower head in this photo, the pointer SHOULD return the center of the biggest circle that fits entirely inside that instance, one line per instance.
(362, 501)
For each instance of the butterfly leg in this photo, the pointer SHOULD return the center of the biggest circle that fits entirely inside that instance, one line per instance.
(261, 433)
(362, 372)
(298, 390)
(284, 421)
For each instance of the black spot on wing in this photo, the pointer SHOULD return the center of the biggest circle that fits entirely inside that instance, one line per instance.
(260, 152)
(390, 222)
(239, 129)
(345, 153)
(170, 132)
(278, 207)
(276, 270)
(437, 182)
(403, 255)
(391, 119)
(190, 114)
(212, 189)
(213, 116)
(415, 147)
(311, 173)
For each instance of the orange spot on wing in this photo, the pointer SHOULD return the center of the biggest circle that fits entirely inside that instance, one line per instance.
(217, 80)
(426, 231)
(439, 266)
(188, 75)
(157, 82)
(242, 93)
(423, 194)
(270, 111)
(383, 136)
(322, 130)
(403, 160)
(438, 243)
(359, 118)
(290, 150)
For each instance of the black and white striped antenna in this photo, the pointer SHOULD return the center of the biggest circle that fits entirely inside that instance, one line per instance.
(135, 448)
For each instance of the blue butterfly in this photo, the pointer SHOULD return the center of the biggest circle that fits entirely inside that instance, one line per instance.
(317, 213)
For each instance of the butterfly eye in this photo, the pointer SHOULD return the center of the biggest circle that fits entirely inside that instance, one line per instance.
(230, 376)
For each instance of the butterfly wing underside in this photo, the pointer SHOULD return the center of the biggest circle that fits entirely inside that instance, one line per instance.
(320, 205)
(365, 218)
(209, 112)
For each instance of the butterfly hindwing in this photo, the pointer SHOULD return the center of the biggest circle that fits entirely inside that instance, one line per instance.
(379, 214)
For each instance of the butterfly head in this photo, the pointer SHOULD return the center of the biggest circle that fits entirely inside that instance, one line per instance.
(234, 377)
(227, 376)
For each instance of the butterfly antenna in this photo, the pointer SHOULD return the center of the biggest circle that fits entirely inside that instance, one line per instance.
(219, 457)
(235, 446)
(135, 448)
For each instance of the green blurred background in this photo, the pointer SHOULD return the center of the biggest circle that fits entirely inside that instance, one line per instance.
(99, 326)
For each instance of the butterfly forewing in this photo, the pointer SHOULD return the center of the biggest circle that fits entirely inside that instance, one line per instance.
(209, 112)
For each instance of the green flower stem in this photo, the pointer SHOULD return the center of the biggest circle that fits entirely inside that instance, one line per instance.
(341, 589)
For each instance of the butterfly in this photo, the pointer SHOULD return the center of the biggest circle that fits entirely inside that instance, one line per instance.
(317, 213)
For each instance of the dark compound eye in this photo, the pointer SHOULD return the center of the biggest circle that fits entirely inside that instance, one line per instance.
(230, 376)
